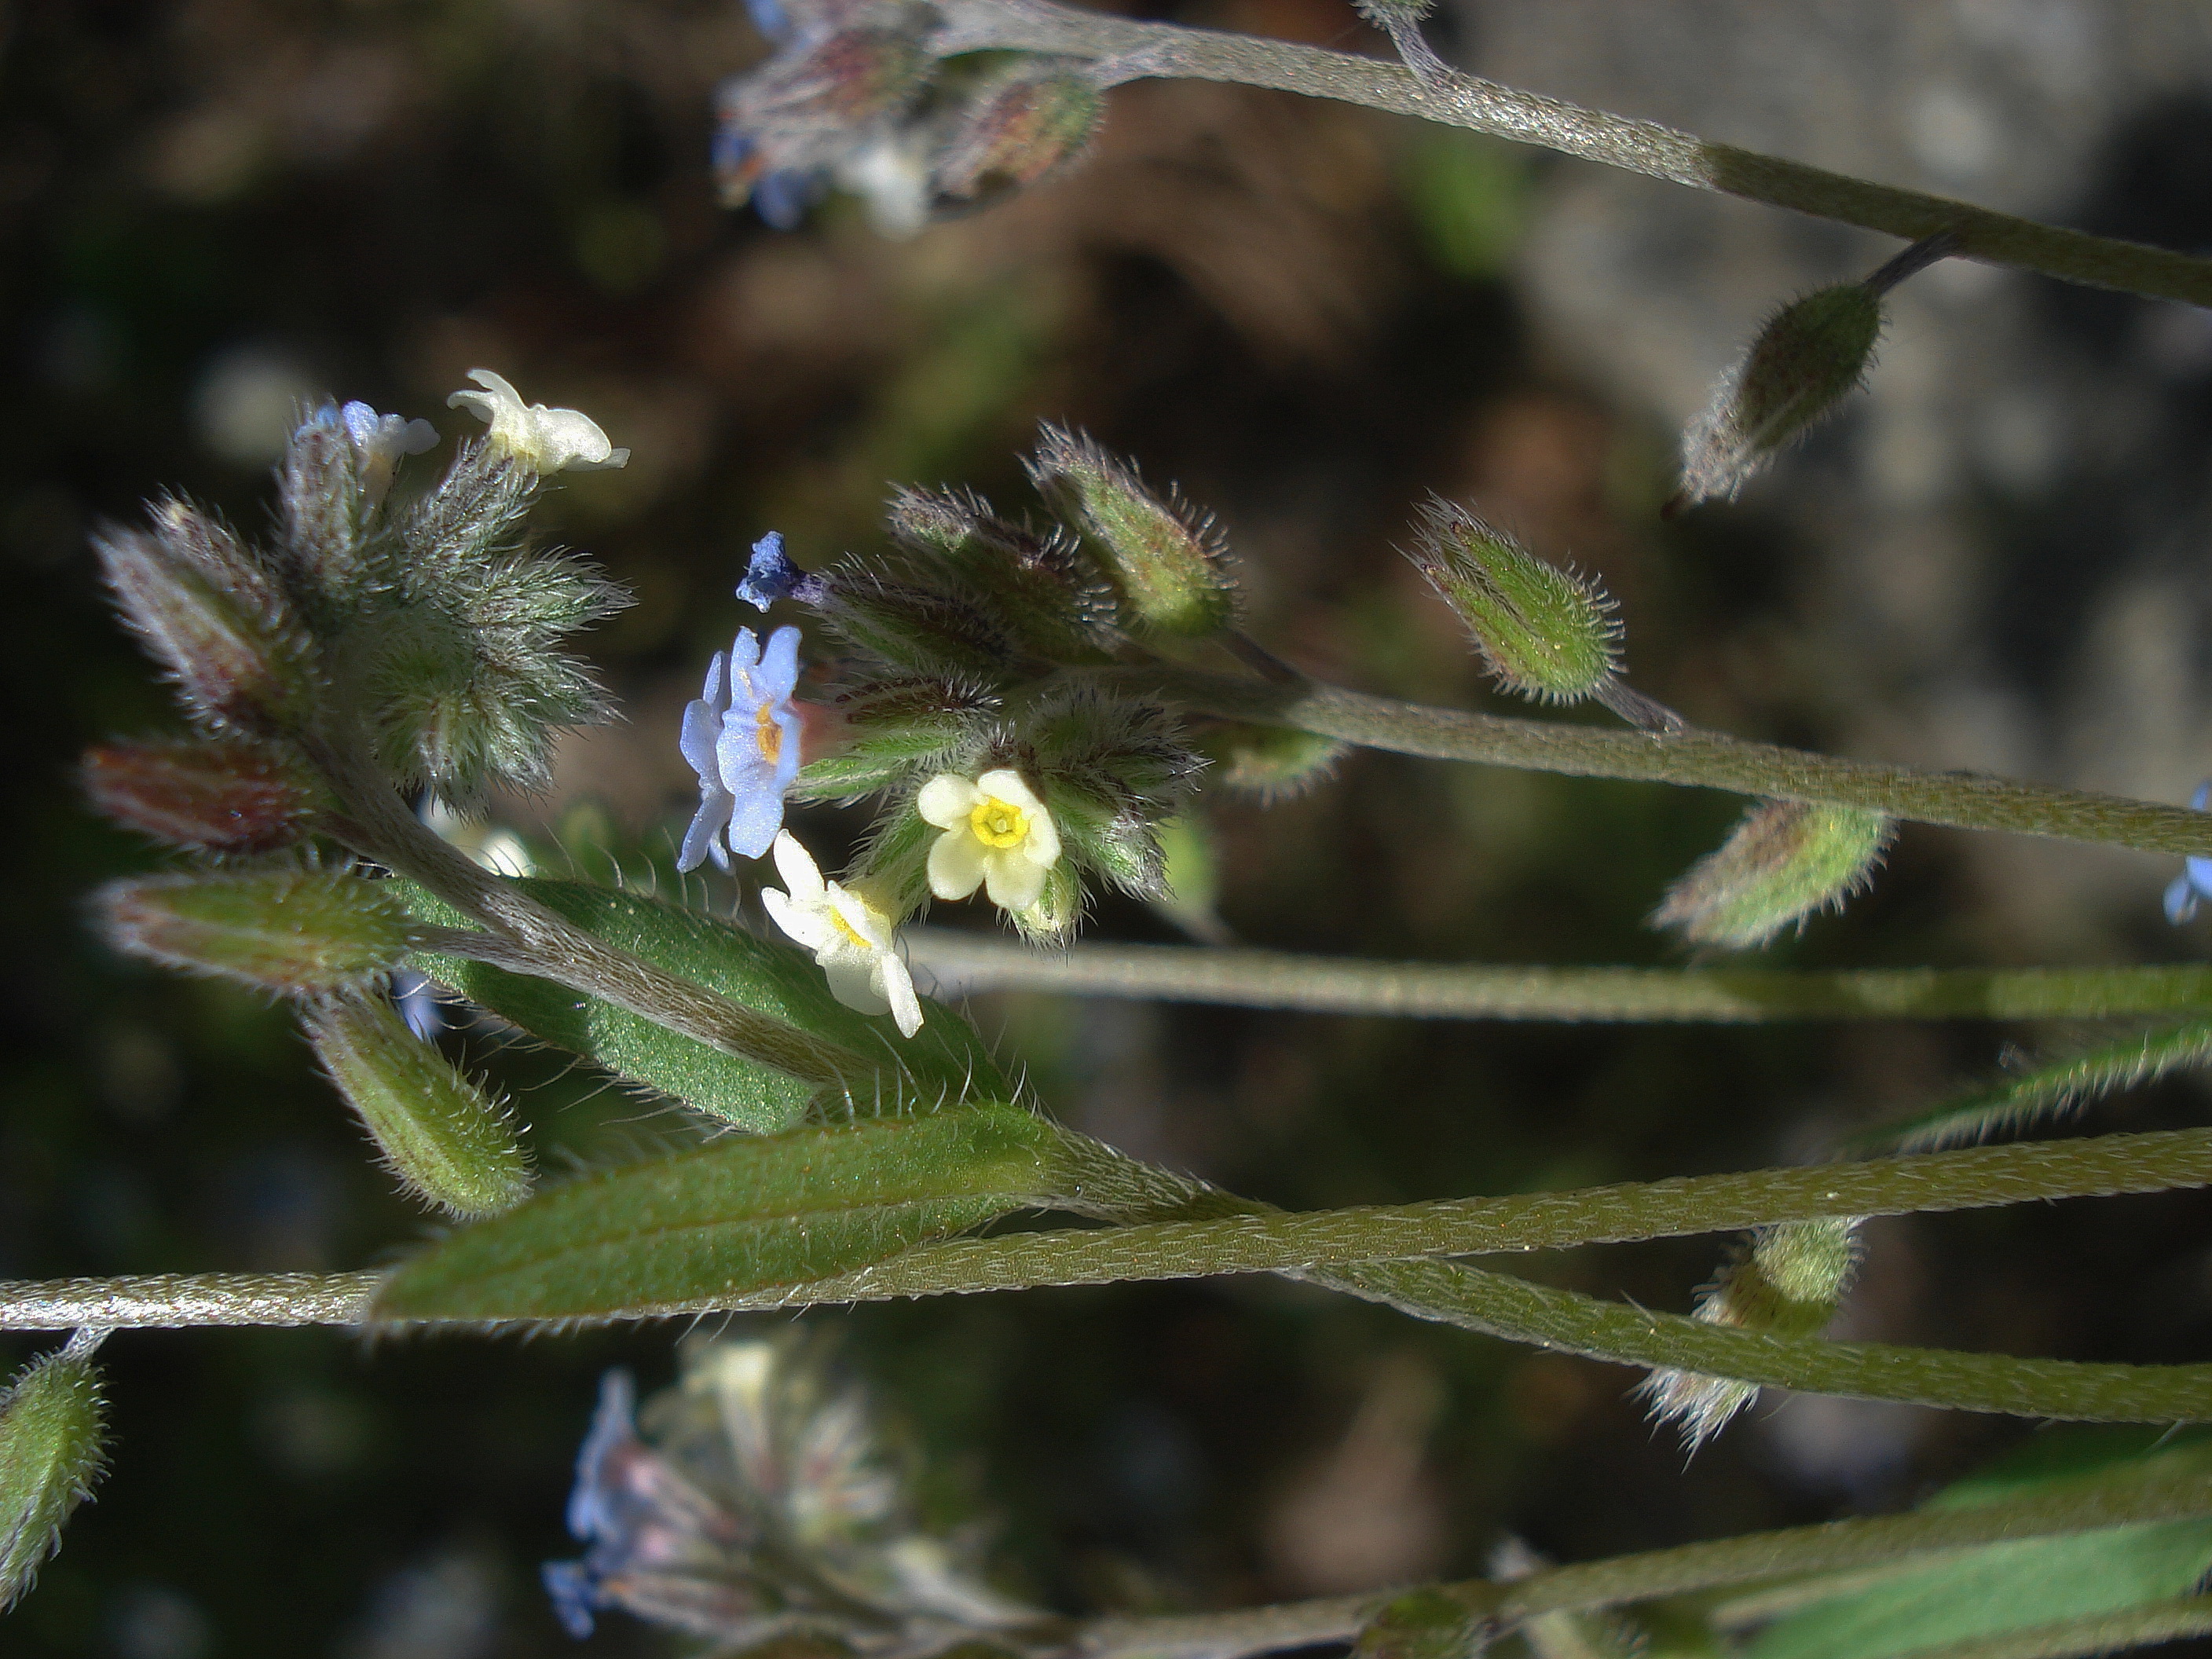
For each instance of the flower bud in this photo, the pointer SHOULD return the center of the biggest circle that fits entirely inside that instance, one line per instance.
(1045, 589)
(1787, 1283)
(1111, 772)
(218, 628)
(1542, 631)
(294, 931)
(1027, 121)
(1785, 860)
(915, 627)
(892, 726)
(1274, 762)
(51, 1440)
(804, 103)
(450, 1144)
(1811, 354)
(227, 796)
(1166, 560)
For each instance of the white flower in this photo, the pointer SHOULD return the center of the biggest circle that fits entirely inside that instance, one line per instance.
(997, 835)
(544, 439)
(855, 943)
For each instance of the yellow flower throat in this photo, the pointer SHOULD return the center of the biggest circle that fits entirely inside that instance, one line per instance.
(999, 823)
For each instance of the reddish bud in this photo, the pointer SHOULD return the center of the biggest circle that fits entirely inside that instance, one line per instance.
(224, 797)
(1021, 125)
(217, 629)
(295, 932)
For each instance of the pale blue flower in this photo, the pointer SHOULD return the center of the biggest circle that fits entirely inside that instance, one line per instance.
(2195, 881)
(741, 737)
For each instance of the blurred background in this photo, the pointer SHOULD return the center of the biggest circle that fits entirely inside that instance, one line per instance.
(1308, 316)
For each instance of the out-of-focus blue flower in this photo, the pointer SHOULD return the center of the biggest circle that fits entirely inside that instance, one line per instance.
(770, 575)
(659, 1546)
(379, 441)
(2195, 881)
(769, 18)
(418, 1002)
(741, 737)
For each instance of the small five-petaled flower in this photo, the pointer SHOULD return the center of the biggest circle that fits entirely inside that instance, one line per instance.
(997, 835)
(855, 943)
(741, 736)
(544, 439)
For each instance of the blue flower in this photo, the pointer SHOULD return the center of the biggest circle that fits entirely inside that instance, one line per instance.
(2195, 881)
(659, 1546)
(770, 575)
(741, 737)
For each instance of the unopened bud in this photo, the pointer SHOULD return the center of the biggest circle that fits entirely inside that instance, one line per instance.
(224, 796)
(449, 1143)
(294, 931)
(1542, 631)
(1166, 560)
(889, 726)
(1045, 588)
(911, 626)
(225, 643)
(51, 1450)
(1787, 1283)
(828, 88)
(1786, 860)
(1275, 762)
(1022, 123)
(1810, 356)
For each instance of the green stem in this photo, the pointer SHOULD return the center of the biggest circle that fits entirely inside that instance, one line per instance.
(2166, 1494)
(967, 961)
(1168, 51)
(1965, 800)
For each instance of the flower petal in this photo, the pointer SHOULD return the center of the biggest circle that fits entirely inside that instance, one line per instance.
(755, 816)
(872, 925)
(699, 839)
(779, 664)
(800, 872)
(853, 981)
(1042, 845)
(2180, 901)
(1013, 883)
(896, 986)
(956, 864)
(1007, 785)
(809, 925)
(945, 801)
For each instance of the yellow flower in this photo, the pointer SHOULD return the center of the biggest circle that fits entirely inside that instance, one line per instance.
(997, 835)
(544, 439)
(855, 943)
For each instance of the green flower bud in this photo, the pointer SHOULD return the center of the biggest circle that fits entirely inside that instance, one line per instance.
(210, 617)
(1167, 561)
(911, 625)
(294, 931)
(449, 1143)
(1029, 120)
(51, 1450)
(1046, 590)
(232, 796)
(1812, 354)
(1275, 762)
(1788, 1282)
(1542, 631)
(1784, 861)
(891, 727)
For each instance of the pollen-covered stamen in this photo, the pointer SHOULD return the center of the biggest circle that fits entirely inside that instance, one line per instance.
(998, 823)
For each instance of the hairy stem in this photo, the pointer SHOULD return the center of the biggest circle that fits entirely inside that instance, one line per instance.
(967, 961)
(1965, 800)
(531, 938)
(1170, 52)
(2162, 1494)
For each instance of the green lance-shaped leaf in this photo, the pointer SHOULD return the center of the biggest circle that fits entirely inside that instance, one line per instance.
(1787, 1282)
(449, 1142)
(297, 932)
(1786, 860)
(946, 1062)
(52, 1438)
(1995, 1588)
(741, 1217)
(1167, 561)
(2045, 1092)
